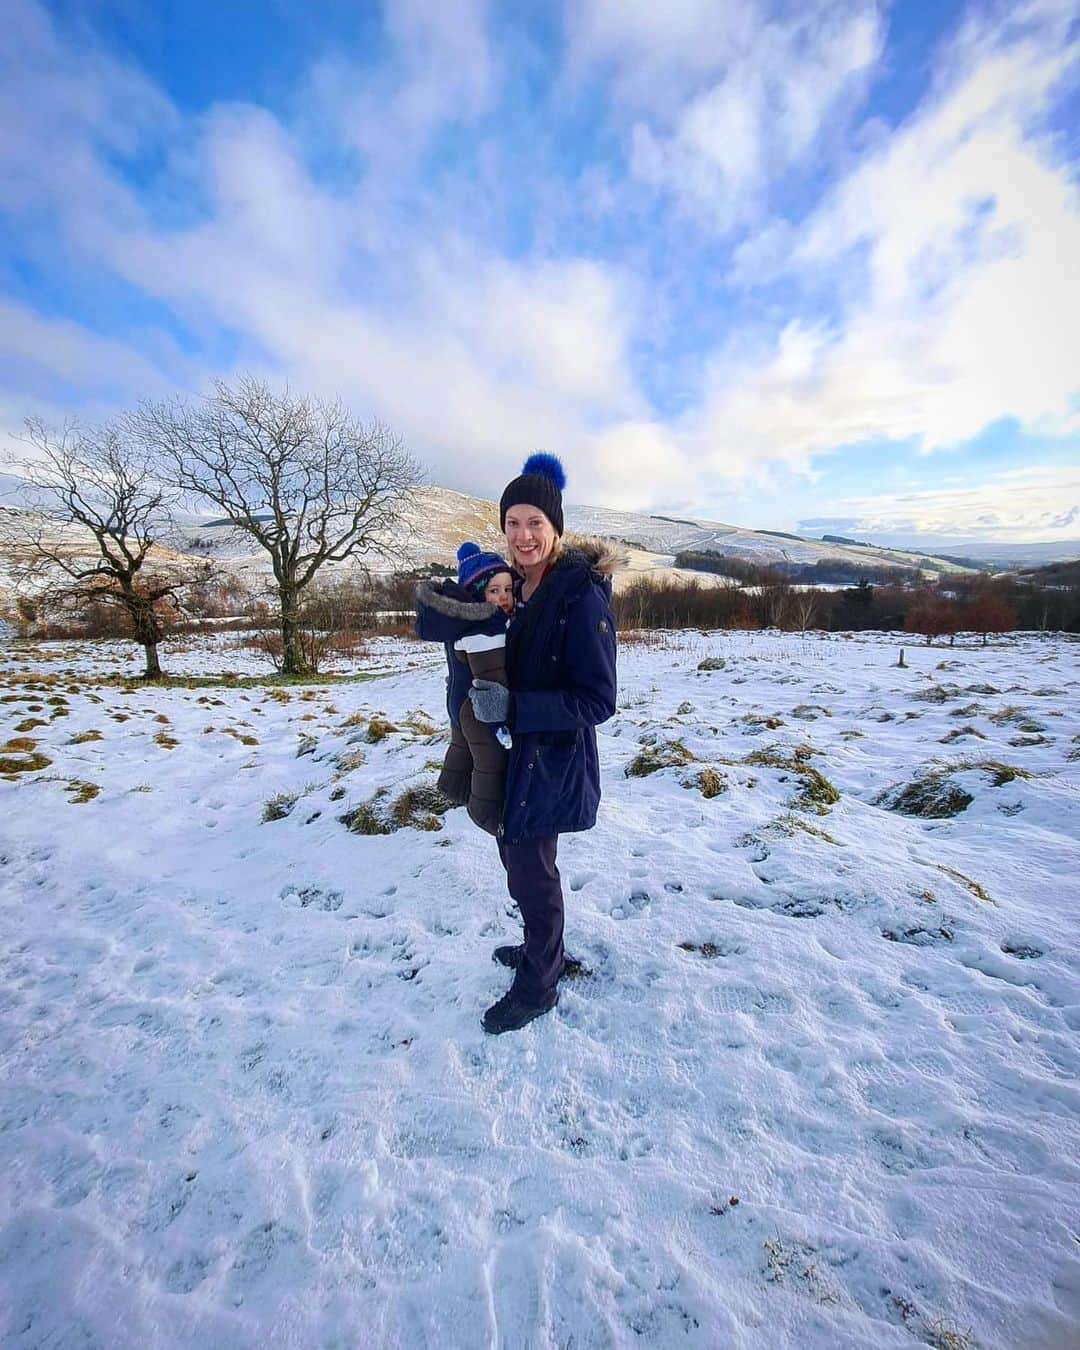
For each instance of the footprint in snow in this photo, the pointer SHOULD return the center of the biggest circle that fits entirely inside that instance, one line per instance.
(636, 903)
(515, 1297)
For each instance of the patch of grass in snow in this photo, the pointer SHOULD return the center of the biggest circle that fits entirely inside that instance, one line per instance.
(166, 741)
(365, 819)
(791, 824)
(958, 733)
(84, 737)
(943, 1335)
(30, 724)
(349, 760)
(933, 796)
(973, 886)
(1000, 773)
(12, 765)
(652, 758)
(417, 808)
(936, 693)
(966, 710)
(81, 791)
(708, 781)
(279, 805)
(793, 1264)
(20, 743)
(379, 728)
(809, 712)
(709, 950)
(419, 724)
(244, 737)
(817, 794)
(759, 720)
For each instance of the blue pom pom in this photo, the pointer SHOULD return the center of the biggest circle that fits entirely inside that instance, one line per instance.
(467, 550)
(548, 465)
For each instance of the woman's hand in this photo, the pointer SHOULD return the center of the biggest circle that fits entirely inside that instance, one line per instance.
(490, 702)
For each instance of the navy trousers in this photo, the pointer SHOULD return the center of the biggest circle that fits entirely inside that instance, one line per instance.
(534, 884)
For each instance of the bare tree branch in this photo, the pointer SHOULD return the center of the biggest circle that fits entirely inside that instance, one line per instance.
(91, 514)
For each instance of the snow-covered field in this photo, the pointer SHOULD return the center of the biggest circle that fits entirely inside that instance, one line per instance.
(816, 1087)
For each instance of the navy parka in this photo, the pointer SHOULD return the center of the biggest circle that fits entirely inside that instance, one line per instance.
(560, 659)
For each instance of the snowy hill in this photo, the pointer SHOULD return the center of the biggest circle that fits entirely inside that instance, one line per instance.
(443, 518)
(815, 1086)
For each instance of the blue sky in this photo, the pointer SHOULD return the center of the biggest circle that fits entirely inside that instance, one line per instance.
(810, 266)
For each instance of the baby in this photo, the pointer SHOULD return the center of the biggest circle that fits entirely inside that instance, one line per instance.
(470, 618)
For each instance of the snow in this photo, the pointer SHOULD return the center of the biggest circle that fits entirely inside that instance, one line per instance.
(247, 1100)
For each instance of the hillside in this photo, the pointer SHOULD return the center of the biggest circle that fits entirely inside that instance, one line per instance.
(442, 518)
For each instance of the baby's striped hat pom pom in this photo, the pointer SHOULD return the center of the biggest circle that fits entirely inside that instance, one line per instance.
(467, 550)
(549, 466)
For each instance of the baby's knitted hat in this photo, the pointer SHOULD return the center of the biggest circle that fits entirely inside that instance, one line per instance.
(475, 569)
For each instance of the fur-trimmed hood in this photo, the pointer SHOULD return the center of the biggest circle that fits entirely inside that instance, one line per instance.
(453, 602)
(601, 556)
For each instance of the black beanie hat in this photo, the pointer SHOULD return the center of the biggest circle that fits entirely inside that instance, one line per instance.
(540, 483)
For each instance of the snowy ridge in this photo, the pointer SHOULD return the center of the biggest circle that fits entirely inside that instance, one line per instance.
(817, 1085)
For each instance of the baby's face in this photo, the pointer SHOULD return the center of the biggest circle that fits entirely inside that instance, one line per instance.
(500, 591)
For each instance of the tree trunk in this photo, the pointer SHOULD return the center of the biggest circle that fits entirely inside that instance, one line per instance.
(292, 648)
(147, 631)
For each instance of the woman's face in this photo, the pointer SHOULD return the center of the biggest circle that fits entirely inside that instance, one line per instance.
(500, 591)
(530, 536)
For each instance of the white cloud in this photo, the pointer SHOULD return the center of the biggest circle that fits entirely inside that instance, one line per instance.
(969, 309)
(728, 97)
(1040, 504)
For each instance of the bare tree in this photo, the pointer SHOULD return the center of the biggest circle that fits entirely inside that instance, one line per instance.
(88, 529)
(805, 605)
(305, 479)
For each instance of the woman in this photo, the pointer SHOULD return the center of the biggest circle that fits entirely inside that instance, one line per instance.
(560, 664)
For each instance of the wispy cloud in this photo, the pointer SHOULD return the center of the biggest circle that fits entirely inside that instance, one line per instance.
(1041, 503)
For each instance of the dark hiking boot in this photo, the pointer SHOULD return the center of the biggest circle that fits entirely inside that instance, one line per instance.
(511, 1013)
(512, 957)
(509, 956)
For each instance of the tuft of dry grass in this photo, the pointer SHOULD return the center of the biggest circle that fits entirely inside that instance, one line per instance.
(16, 764)
(379, 728)
(279, 806)
(817, 793)
(85, 737)
(653, 758)
(166, 741)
